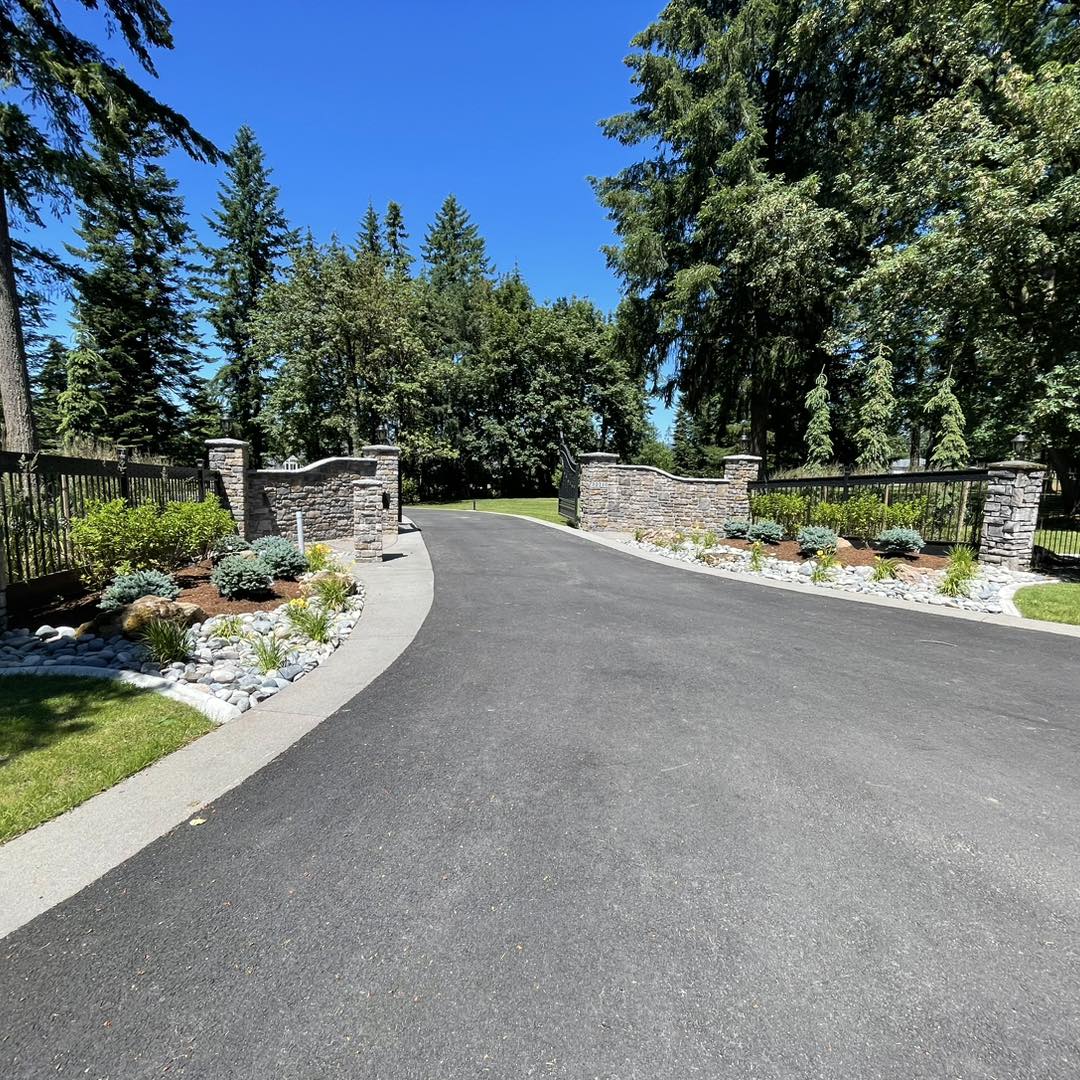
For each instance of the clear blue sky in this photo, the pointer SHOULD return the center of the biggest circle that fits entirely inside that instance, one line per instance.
(496, 102)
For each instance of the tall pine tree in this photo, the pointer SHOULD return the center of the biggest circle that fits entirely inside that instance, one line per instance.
(369, 241)
(874, 437)
(950, 447)
(132, 305)
(397, 250)
(254, 235)
(819, 445)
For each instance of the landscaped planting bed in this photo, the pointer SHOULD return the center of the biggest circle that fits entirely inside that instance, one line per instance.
(918, 578)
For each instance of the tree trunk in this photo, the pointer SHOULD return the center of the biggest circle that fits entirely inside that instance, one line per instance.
(14, 378)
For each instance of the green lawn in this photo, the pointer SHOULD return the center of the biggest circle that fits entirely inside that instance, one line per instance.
(546, 509)
(1063, 541)
(1052, 603)
(65, 739)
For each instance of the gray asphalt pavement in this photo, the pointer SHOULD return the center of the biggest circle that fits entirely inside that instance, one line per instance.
(608, 819)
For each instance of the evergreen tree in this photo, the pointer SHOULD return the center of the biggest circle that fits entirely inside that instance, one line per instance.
(81, 405)
(687, 452)
(132, 306)
(950, 447)
(48, 381)
(369, 241)
(55, 82)
(397, 250)
(819, 445)
(254, 235)
(874, 437)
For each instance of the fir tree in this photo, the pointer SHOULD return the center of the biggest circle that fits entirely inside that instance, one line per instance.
(396, 248)
(687, 451)
(369, 241)
(874, 437)
(819, 445)
(453, 248)
(132, 306)
(81, 404)
(950, 447)
(254, 235)
(49, 380)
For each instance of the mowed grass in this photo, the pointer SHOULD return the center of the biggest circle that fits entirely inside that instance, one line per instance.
(547, 509)
(1062, 541)
(65, 739)
(1051, 603)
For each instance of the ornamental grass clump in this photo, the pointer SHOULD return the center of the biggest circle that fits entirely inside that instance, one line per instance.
(242, 575)
(332, 592)
(167, 640)
(736, 528)
(816, 538)
(127, 588)
(757, 556)
(769, 532)
(884, 569)
(270, 654)
(228, 626)
(825, 564)
(321, 557)
(908, 541)
(961, 571)
(284, 558)
(311, 621)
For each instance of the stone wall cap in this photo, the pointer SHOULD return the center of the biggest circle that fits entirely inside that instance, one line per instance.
(383, 448)
(227, 442)
(599, 456)
(672, 476)
(321, 463)
(742, 457)
(1017, 466)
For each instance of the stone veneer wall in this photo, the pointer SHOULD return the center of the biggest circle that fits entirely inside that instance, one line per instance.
(628, 497)
(1011, 512)
(368, 515)
(388, 462)
(322, 490)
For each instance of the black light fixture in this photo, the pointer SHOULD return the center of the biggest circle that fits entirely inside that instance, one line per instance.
(1019, 444)
(744, 440)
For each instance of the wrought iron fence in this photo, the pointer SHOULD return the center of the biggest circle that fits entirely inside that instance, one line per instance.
(40, 494)
(1057, 529)
(569, 484)
(946, 507)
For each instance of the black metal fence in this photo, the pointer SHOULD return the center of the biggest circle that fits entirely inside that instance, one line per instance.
(569, 484)
(946, 507)
(1057, 530)
(41, 493)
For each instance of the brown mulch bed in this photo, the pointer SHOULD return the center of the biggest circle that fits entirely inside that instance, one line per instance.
(76, 606)
(859, 554)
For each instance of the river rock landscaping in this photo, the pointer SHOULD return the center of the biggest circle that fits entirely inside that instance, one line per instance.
(918, 579)
(229, 655)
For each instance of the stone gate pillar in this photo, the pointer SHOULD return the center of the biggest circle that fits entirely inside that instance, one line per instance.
(230, 459)
(387, 468)
(1010, 513)
(599, 495)
(740, 470)
(368, 519)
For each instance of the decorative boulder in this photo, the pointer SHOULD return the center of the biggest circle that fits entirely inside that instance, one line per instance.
(131, 618)
(310, 582)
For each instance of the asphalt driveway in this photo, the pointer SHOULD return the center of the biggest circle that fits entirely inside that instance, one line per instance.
(608, 819)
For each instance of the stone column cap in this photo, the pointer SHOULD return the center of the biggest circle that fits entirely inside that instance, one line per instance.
(1017, 466)
(383, 448)
(227, 442)
(367, 481)
(742, 457)
(599, 456)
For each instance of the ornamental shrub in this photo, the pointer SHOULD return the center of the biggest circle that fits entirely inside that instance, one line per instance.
(242, 575)
(787, 509)
(768, 531)
(906, 540)
(814, 538)
(112, 533)
(908, 514)
(127, 588)
(863, 515)
(830, 515)
(191, 530)
(227, 545)
(736, 527)
(284, 558)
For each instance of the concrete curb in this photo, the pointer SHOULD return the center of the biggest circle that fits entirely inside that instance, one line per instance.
(47, 865)
(221, 712)
(614, 540)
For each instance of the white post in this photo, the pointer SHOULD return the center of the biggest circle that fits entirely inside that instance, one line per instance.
(300, 530)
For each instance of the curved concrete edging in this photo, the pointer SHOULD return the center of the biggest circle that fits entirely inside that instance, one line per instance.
(612, 540)
(56, 860)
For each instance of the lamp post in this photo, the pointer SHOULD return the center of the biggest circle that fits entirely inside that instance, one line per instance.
(1019, 444)
(744, 441)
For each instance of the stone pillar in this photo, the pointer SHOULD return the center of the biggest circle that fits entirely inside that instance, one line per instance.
(388, 460)
(230, 458)
(1010, 513)
(598, 497)
(368, 520)
(740, 470)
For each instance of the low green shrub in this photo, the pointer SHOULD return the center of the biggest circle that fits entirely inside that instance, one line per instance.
(768, 531)
(908, 514)
(736, 528)
(884, 569)
(788, 509)
(829, 515)
(242, 575)
(706, 539)
(167, 640)
(227, 545)
(127, 588)
(905, 540)
(813, 538)
(191, 530)
(283, 557)
(864, 515)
